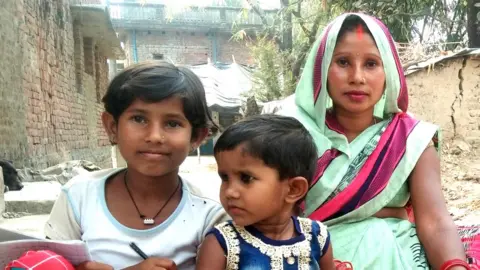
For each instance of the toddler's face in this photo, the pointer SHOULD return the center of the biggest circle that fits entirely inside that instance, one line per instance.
(251, 192)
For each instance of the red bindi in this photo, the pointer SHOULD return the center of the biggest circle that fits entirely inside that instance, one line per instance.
(359, 31)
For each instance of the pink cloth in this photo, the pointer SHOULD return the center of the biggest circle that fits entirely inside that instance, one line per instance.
(40, 260)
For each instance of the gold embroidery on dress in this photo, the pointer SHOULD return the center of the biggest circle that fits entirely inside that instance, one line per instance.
(304, 259)
(322, 235)
(300, 250)
(233, 245)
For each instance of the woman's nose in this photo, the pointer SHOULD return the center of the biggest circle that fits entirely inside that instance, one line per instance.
(357, 75)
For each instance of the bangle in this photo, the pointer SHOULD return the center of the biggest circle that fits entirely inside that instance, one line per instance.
(455, 262)
(339, 265)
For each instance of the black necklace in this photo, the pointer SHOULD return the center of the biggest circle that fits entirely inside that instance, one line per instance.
(148, 221)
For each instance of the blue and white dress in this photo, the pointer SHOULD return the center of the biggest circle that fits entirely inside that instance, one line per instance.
(248, 249)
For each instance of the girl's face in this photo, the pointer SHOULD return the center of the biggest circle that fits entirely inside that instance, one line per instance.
(356, 78)
(154, 138)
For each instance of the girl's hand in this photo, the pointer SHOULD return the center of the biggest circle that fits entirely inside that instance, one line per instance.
(154, 264)
(93, 266)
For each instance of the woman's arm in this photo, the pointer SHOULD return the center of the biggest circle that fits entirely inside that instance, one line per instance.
(211, 255)
(435, 228)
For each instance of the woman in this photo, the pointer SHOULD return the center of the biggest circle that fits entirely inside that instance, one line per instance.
(374, 158)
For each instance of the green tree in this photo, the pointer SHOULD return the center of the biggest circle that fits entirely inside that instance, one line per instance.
(473, 25)
(281, 48)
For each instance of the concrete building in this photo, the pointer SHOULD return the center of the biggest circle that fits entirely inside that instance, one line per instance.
(190, 36)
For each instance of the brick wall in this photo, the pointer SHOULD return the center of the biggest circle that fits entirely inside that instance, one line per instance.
(2, 194)
(78, 57)
(449, 95)
(50, 102)
(185, 47)
(13, 137)
(229, 47)
(88, 55)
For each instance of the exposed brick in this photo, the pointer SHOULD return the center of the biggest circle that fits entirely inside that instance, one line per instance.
(182, 47)
(88, 55)
(46, 117)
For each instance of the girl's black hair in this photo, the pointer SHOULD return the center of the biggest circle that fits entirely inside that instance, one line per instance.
(154, 81)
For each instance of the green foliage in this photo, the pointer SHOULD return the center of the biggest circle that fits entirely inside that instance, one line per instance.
(279, 62)
(269, 84)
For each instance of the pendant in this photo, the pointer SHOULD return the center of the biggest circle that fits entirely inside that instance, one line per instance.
(290, 260)
(148, 221)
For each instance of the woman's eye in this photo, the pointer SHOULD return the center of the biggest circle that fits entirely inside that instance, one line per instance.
(371, 64)
(342, 62)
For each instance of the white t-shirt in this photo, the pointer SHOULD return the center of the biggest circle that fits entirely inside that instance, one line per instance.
(81, 213)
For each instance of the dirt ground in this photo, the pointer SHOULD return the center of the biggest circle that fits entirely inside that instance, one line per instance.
(461, 182)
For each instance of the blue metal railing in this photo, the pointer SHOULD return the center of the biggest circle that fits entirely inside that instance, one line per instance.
(148, 16)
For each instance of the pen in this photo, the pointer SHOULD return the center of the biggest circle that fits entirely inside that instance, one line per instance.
(138, 251)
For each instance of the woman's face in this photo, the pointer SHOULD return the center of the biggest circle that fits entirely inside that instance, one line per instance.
(356, 78)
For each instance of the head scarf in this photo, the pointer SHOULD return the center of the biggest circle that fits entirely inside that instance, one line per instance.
(312, 95)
